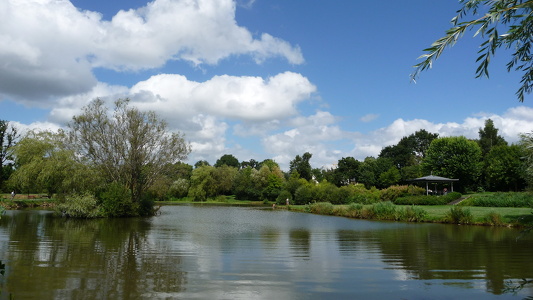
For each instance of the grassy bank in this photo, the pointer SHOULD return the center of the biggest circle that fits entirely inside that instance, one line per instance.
(493, 216)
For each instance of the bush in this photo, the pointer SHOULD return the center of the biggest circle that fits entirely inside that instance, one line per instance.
(428, 200)
(79, 206)
(494, 219)
(322, 208)
(394, 192)
(384, 211)
(413, 214)
(304, 194)
(458, 215)
(359, 194)
(283, 196)
(117, 202)
(354, 210)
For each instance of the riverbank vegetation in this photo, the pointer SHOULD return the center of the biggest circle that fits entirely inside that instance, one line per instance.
(452, 214)
(91, 175)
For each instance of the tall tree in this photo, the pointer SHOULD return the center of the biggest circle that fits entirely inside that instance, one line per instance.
(346, 171)
(228, 160)
(8, 139)
(504, 169)
(488, 137)
(410, 150)
(252, 163)
(514, 16)
(454, 157)
(301, 165)
(130, 147)
(526, 143)
(201, 163)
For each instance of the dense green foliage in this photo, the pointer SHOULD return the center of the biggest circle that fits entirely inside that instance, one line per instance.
(8, 139)
(103, 165)
(428, 200)
(52, 163)
(379, 211)
(455, 157)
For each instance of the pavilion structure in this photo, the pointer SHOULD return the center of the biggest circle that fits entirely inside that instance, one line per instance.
(434, 179)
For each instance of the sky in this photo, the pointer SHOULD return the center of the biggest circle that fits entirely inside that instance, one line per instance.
(258, 79)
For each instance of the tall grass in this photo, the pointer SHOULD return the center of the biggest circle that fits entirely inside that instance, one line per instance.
(378, 211)
(459, 215)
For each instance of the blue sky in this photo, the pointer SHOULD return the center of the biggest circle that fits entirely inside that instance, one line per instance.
(256, 79)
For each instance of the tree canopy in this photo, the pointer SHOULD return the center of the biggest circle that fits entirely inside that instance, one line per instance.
(130, 147)
(454, 157)
(8, 139)
(488, 137)
(513, 16)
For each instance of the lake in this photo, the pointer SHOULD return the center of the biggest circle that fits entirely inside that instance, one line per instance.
(210, 252)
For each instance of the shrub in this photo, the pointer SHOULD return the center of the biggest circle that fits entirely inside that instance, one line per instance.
(394, 192)
(304, 194)
(493, 218)
(79, 206)
(359, 194)
(384, 210)
(283, 196)
(458, 215)
(117, 202)
(322, 208)
(413, 214)
(428, 200)
(341, 195)
(354, 210)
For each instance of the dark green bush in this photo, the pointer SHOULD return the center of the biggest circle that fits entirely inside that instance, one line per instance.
(304, 194)
(428, 200)
(117, 202)
(394, 192)
(283, 196)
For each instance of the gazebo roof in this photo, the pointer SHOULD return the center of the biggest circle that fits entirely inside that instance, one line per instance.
(433, 178)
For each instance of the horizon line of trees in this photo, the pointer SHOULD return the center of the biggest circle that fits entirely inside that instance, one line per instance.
(486, 164)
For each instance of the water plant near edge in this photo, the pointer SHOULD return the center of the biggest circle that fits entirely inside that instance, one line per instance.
(459, 215)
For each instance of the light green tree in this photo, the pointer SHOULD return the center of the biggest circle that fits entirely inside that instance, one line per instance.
(203, 184)
(511, 16)
(46, 164)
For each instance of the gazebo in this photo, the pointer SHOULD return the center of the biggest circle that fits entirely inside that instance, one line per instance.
(434, 179)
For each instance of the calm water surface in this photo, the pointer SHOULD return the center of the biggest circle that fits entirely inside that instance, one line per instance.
(202, 252)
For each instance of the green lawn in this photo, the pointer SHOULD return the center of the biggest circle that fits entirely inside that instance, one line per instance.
(509, 214)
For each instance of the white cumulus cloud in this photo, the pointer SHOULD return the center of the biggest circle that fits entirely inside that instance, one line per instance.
(50, 48)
